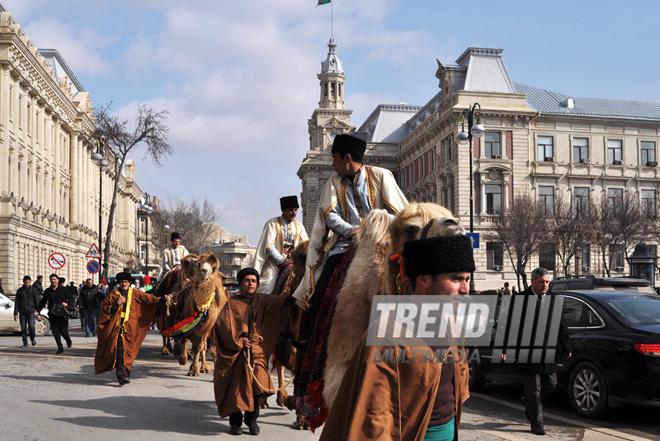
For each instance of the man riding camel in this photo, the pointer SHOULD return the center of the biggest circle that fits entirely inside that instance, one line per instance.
(174, 253)
(280, 236)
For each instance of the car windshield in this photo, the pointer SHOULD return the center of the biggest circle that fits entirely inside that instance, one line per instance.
(637, 310)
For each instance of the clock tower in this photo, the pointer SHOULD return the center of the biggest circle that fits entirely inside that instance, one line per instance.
(328, 120)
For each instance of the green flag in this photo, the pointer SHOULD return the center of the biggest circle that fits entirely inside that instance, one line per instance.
(323, 2)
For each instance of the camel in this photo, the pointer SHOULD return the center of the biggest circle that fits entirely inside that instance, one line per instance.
(172, 283)
(205, 296)
(379, 236)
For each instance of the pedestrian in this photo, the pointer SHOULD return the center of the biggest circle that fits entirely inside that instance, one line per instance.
(412, 399)
(514, 291)
(88, 304)
(25, 308)
(38, 284)
(245, 331)
(57, 294)
(541, 378)
(123, 324)
(173, 254)
(280, 236)
(506, 291)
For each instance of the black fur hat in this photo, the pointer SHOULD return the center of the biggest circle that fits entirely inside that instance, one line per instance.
(437, 255)
(289, 202)
(349, 144)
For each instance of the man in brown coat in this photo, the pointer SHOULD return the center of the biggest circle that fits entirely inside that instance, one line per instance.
(124, 321)
(246, 330)
(401, 397)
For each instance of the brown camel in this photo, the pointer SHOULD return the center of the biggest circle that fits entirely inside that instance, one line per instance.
(205, 295)
(173, 283)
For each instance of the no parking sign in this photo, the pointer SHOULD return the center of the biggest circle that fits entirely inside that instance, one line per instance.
(93, 266)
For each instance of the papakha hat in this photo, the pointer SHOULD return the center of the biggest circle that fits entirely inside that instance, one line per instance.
(124, 276)
(175, 235)
(352, 145)
(437, 255)
(289, 202)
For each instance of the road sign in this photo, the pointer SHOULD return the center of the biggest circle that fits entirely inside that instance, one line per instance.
(56, 261)
(474, 237)
(93, 266)
(93, 252)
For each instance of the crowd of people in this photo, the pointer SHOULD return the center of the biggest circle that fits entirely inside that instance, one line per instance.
(377, 399)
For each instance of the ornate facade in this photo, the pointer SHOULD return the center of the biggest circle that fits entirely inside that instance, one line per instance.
(49, 185)
(537, 142)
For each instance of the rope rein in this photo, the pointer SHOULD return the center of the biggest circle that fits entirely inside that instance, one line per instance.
(248, 359)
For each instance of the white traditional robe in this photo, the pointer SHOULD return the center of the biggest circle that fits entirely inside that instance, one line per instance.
(172, 257)
(277, 240)
(373, 187)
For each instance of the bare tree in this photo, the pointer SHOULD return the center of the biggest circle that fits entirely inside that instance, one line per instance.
(616, 222)
(114, 134)
(567, 229)
(521, 229)
(193, 221)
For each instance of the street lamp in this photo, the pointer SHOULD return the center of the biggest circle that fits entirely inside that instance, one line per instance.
(103, 164)
(145, 210)
(474, 131)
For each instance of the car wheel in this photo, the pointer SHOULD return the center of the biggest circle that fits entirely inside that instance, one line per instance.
(588, 391)
(476, 382)
(41, 327)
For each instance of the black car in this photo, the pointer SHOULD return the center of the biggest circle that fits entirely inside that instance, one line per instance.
(590, 282)
(616, 352)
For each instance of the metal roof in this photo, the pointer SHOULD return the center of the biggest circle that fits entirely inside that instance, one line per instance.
(546, 101)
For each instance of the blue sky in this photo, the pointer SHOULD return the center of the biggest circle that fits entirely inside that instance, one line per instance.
(239, 76)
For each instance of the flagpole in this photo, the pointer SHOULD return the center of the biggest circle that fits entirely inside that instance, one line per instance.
(332, 18)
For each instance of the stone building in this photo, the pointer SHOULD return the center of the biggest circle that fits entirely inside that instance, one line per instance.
(49, 185)
(537, 142)
(233, 250)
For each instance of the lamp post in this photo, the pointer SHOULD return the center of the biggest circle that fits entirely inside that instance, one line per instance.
(99, 160)
(474, 131)
(145, 210)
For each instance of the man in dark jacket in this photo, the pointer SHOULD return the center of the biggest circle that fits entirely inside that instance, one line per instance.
(88, 302)
(38, 285)
(541, 378)
(57, 294)
(25, 307)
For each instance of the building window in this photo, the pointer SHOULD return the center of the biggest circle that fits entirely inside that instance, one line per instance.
(494, 256)
(544, 146)
(580, 149)
(648, 203)
(615, 197)
(492, 145)
(547, 256)
(580, 199)
(614, 151)
(493, 198)
(547, 199)
(450, 150)
(648, 152)
(617, 255)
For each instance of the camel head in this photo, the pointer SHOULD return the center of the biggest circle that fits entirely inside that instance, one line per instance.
(410, 222)
(441, 226)
(207, 266)
(189, 266)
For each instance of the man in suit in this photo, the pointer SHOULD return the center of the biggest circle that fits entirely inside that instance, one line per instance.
(541, 378)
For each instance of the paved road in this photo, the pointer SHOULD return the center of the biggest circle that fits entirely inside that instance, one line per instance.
(57, 397)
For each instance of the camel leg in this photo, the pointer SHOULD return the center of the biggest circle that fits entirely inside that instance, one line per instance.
(165, 351)
(194, 366)
(301, 415)
(281, 393)
(205, 368)
(169, 345)
(183, 352)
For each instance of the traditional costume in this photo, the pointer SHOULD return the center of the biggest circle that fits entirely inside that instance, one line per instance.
(278, 239)
(257, 317)
(402, 396)
(344, 202)
(122, 328)
(172, 255)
